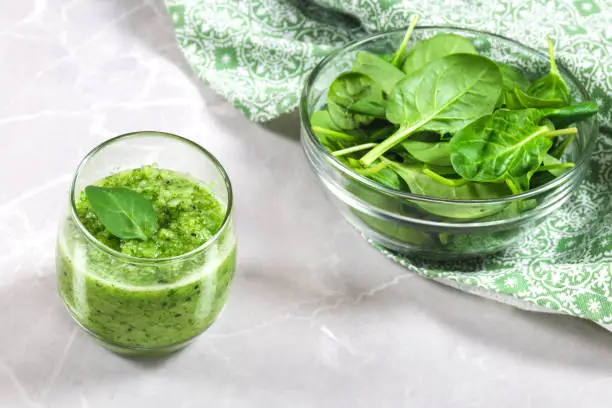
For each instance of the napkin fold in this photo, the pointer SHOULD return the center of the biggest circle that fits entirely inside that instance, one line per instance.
(258, 53)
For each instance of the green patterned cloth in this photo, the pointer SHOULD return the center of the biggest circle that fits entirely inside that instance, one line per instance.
(258, 53)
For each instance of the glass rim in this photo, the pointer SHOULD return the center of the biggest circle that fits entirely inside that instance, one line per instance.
(135, 259)
(331, 159)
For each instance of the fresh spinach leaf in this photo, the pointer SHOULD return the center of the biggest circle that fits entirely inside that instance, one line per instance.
(551, 86)
(330, 135)
(444, 96)
(344, 119)
(551, 168)
(322, 119)
(322, 125)
(442, 170)
(124, 213)
(560, 146)
(511, 78)
(350, 87)
(428, 137)
(403, 233)
(555, 166)
(524, 100)
(421, 184)
(387, 177)
(513, 209)
(334, 139)
(509, 100)
(387, 58)
(547, 122)
(382, 133)
(383, 73)
(567, 115)
(372, 107)
(347, 89)
(540, 178)
(435, 48)
(505, 145)
(378, 172)
(430, 153)
(493, 239)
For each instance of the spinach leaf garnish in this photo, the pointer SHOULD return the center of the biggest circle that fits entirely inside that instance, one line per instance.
(124, 213)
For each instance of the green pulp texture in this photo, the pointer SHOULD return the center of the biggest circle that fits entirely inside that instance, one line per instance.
(188, 214)
(148, 318)
(155, 304)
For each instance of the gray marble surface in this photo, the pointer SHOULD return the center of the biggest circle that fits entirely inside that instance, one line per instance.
(316, 318)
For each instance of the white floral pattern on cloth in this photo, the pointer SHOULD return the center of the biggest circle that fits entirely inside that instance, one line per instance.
(258, 53)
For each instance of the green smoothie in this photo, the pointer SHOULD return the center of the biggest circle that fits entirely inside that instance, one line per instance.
(154, 293)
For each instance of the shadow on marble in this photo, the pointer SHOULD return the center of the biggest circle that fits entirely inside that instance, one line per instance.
(551, 338)
(153, 362)
(287, 125)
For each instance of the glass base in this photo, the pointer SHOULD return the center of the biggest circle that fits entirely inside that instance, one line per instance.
(129, 351)
(133, 351)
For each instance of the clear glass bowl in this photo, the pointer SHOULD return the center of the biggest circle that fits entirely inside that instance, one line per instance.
(439, 228)
(137, 305)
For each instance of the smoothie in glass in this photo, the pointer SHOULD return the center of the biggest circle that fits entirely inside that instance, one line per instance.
(156, 294)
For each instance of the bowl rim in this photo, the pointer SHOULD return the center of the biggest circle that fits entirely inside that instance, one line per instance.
(134, 259)
(305, 114)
